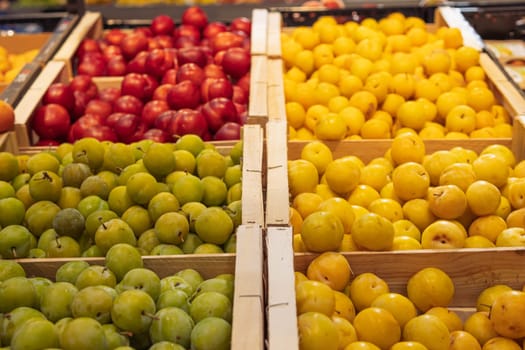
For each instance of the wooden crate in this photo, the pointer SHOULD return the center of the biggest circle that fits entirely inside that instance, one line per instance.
(20, 43)
(471, 271)
(8, 142)
(505, 92)
(246, 265)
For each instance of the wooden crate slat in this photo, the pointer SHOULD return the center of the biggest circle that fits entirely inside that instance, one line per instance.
(248, 310)
(90, 25)
(273, 49)
(252, 176)
(282, 318)
(452, 17)
(259, 31)
(277, 197)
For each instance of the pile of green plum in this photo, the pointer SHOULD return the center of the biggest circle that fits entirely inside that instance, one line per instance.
(118, 305)
(80, 199)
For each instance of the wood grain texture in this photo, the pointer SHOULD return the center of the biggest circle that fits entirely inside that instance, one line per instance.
(259, 31)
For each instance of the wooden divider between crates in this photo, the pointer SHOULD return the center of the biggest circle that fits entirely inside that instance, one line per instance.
(248, 310)
(90, 26)
(259, 32)
(252, 175)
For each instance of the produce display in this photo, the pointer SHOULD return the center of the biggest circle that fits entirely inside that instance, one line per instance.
(337, 310)
(191, 78)
(376, 78)
(83, 198)
(120, 304)
(407, 199)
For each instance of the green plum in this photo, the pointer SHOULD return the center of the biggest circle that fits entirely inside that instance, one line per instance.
(208, 248)
(69, 271)
(173, 298)
(148, 240)
(69, 197)
(15, 242)
(163, 202)
(208, 304)
(35, 334)
(215, 191)
(15, 319)
(172, 324)
(55, 301)
(119, 199)
(212, 333)
(63, 247)
(95, 275)
(137, 167)
(89, 151)
(192, 276)
(159, 159)
(10, 268)
(89, 204)
(138, 218)
(69, 222)
(141, 187)
(42, 161)
(16, 292)
(45, 185)
(8, 166)
(74, 174)
(141, 279)
(172, 228)
(190, 142)
(184, 160)
(122, 258)
(211, 163)
(214, 225)
(112, 232)
(188, 188)
(82, 333)
(94, 185)
(94, 302)
(114, 337)
(191, 242)
(166, 249)
(39, 216)
(133, 311)
(117, 157)
(97, 218)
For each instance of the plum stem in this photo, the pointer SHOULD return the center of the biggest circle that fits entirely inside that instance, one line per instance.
(13, 251)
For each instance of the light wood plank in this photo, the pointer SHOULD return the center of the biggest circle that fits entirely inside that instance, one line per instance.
(274, 35)
(259, 31)
(258, 105)
(252, 175)
(248, 310)
(367, 150)
(282, 318)
(453, 17)
(259, 70)
(209, 265)
(277, 192)
(471, 270)
(89, 26)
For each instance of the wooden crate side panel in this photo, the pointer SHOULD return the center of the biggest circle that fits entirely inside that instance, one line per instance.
(472, 270)
(209, 265)
(259, 32)
(281, 308)
(8, 142)
(248, 309)
(273, 49)
(367, 150)
(89, 26)
(518, 137)
(252, 175)
(277, 192)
